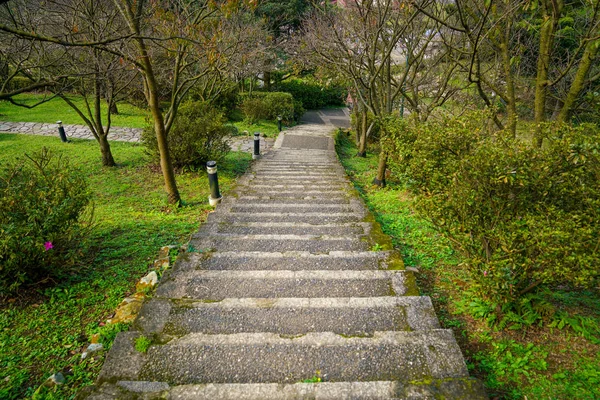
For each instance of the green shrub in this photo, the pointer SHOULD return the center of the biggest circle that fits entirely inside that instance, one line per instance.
(198, 135)
(313, 95)
(42, 206)
(254, 109)
(268, 105)
(525, 217)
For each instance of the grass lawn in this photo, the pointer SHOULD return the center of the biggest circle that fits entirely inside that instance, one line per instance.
(56, 109)
(44, 329)
(532, 363)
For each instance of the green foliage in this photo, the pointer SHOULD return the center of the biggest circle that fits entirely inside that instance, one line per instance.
(525, 217)
(142, 344)
(133, 221)
(511, 362)
(42, 204)
(314, 95)
(198, 135)
(268, 105)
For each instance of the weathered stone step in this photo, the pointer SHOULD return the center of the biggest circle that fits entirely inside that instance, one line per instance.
(304, 217)
(278, 243)
(219, 285)
(303, 199)
(297, 171)
(288, 316)
(282, 228)
(268, 358)
(292, 261)
(334, 187)
(456, 388)
(290, 207)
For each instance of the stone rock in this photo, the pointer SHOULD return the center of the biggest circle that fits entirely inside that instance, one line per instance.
(412, 269)
(92, 348)
(55, 379)
(164, 252)
(147, 282)
(161, 263)
(128, 309)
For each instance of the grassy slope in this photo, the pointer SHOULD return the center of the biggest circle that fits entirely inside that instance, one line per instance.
(43, 330)
(539, 363)
(56, 109)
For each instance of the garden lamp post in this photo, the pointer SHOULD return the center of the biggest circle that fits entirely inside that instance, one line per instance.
(256, 154)
(61, 132)
(279, 118)
(213, 181)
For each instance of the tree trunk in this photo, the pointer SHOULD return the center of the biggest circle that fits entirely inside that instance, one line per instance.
(362, 143)
(590, 52)
(113, 108)
(267, 80)
(107, 157)
(159, 126)
(381, 167)
(550, 19)
(511, 106)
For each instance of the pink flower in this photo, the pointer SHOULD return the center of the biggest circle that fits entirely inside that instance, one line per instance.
(48, 246)
(484, 273)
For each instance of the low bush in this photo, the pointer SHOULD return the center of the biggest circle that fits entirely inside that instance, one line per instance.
(43, 202)
(313, 95)
(526, 218)
(198, 135)
(268, 105)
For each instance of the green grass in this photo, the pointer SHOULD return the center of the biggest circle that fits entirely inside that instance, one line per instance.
(267, 127)
(56, 109)
(44, 329)
(537, 362)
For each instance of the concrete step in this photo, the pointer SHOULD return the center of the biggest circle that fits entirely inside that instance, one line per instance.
(292, 261)
(314, 196)
(278, 243)
(277, 207)
(456, 388)
(303, 217)
(219, 285)
(268, 358)
(288, 316)
(334, 187)
(282, 228)
(300, 198)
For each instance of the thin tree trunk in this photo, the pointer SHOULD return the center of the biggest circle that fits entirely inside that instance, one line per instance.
(362, 143)
(589, 54)
(511, 106)
(114, 109)
(381, 167)
(550, 19)
(267, 80)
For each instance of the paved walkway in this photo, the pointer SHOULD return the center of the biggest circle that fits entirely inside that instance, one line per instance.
(284, 297)
(132, 135)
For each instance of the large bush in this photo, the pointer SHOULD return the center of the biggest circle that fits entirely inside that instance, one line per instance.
(268, 105)
(43, 201)
(525, 217)
(313, 95)
(198, 135)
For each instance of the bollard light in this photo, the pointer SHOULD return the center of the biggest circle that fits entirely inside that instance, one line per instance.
(279, 118)
(213, 181)
(256, 154)
(61, 132)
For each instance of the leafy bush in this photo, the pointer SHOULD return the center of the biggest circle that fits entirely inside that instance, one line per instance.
(254, 109)
(42, 206)
(313, 95)
(268, 105)
(525, 217)
(198, 135)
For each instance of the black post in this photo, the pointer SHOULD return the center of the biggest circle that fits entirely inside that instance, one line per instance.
(61, 132)
(213, 181)
(279, 118)
(256, 154)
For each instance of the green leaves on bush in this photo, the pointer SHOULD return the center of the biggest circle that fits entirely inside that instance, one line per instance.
(268, 105)
(313, 95)
(43, 202)
(525, 217)
(198, 135)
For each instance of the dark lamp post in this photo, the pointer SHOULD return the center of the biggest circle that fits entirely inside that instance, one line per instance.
(279, 118)
(213, 181)
(256, 154)
(61, 132)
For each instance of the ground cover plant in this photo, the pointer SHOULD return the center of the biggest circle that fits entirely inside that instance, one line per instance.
(44, 328)
(57, 110)
(553, 360)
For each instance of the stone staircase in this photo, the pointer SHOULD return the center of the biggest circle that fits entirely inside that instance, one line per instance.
(284, 299)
